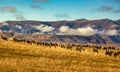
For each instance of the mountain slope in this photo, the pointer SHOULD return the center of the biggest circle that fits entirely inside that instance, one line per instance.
(20, 57)
(103, 31)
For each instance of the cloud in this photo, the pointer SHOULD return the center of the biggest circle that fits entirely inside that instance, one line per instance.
(112, 32)
(85, 31)
(63, 29)
(105, 8)
(44, 28)
(116, 11)
(19, 27)
(108, 9)
(33, 6)
(108, 32)
(9, 9)
(19, 17)
(62, 16)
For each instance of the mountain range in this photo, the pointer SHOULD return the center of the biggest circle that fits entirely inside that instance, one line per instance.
(102, 31)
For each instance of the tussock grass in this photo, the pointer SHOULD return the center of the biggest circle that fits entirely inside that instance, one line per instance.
(21, 57)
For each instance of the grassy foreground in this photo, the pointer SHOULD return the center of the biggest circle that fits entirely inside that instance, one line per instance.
(21, 57)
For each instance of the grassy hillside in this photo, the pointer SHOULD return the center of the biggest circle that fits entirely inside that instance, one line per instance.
(21, 57)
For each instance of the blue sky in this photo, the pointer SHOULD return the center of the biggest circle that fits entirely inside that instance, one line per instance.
(52, 10)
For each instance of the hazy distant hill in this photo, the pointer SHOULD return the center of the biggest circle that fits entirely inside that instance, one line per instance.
(103, 31)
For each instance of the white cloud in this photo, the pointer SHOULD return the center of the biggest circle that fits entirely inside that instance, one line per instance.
(63, 28)
(112, 32)
(44, 28)
(85, 31)
(18, 26)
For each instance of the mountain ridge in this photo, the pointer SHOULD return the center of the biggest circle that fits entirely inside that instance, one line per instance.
(102, 31)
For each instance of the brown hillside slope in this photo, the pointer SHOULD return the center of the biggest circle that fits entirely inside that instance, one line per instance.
(20, 57)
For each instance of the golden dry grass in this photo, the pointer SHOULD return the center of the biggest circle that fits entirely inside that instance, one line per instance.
(21, 57)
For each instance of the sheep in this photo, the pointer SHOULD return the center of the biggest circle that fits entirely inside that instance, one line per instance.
(108, 52)
(95, 50)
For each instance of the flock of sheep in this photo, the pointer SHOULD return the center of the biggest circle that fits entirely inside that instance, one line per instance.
(111, 51)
